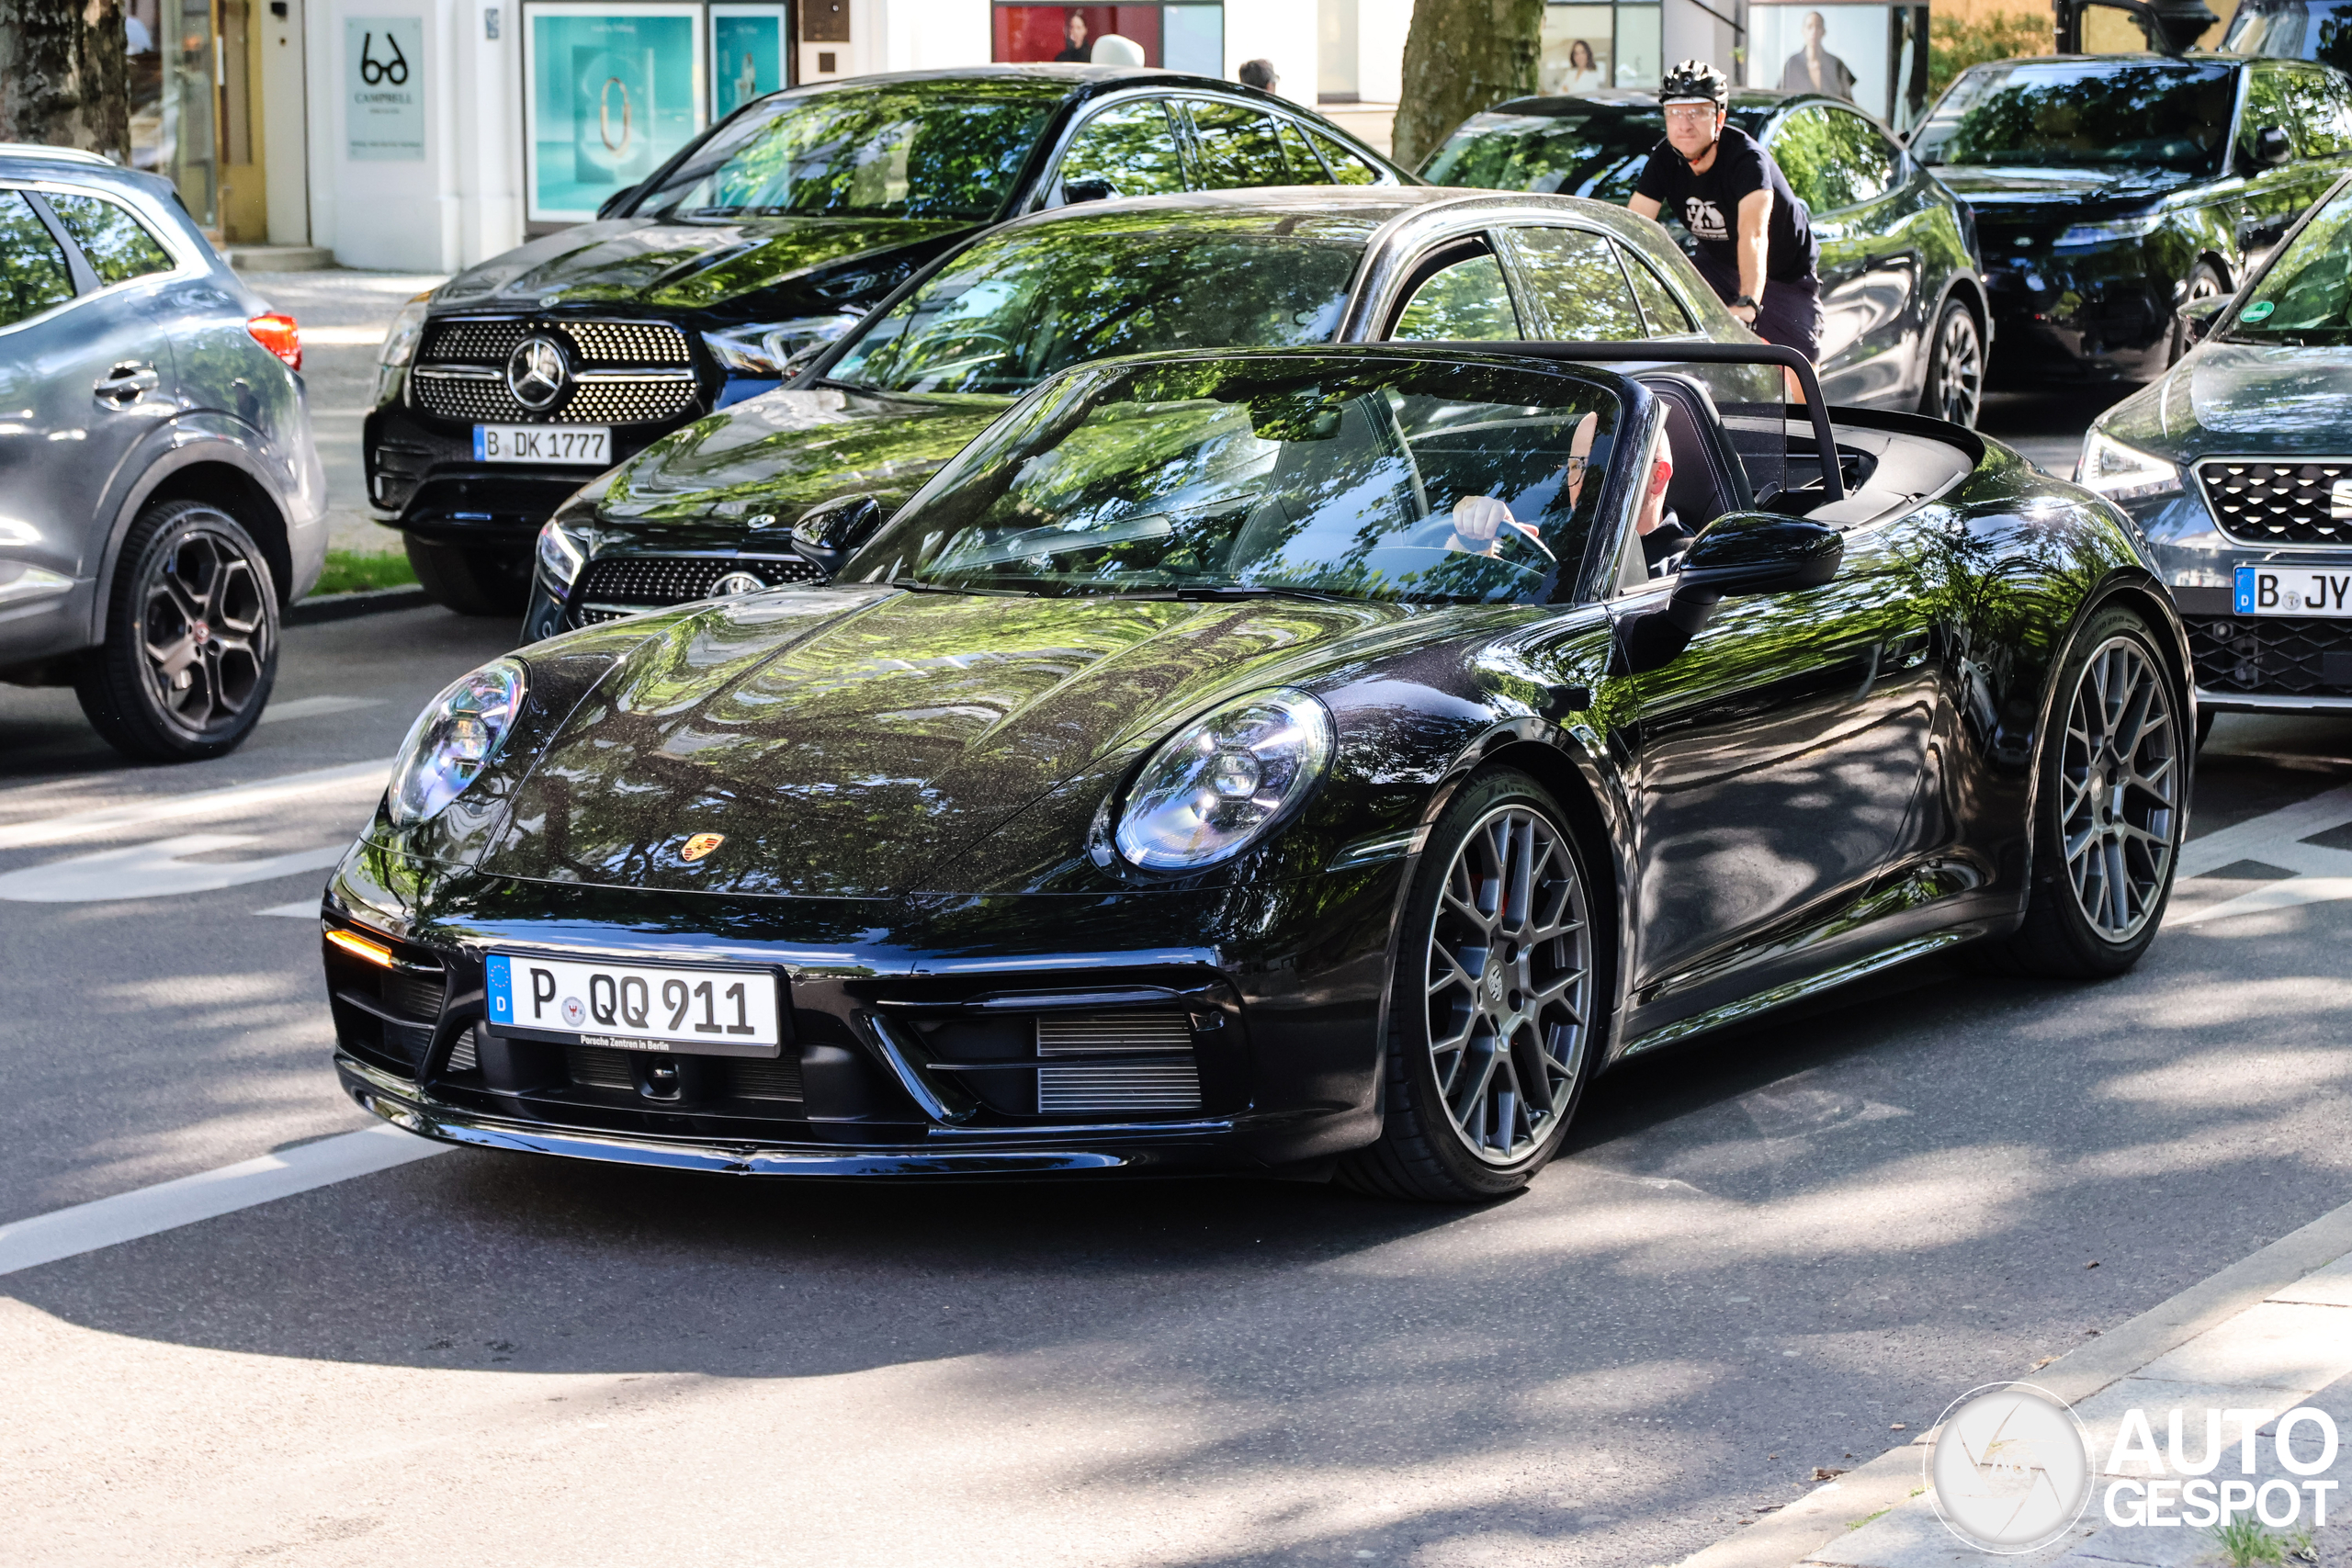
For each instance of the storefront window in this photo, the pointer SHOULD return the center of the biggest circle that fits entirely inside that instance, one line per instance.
(747, 53)
(1589, 47)
(1874, 56)
(611, 91)
(174, 93)
(1180, 37)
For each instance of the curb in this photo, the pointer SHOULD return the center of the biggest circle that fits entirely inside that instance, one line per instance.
(1803, 1528)
(343, 607)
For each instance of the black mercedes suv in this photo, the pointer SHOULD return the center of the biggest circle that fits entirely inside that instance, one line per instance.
(507, 388)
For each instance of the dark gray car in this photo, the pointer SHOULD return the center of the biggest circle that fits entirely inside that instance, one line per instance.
(161, 499)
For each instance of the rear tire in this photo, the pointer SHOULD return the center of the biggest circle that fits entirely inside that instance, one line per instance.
(1955, 383)
(2111, 808)
(191, 638)
(470, 580)
(1492, 1039)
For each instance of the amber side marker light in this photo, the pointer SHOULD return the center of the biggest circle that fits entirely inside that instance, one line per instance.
(359, 946)
(280, 335)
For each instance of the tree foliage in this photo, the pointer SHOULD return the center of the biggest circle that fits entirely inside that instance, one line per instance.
(1955, 44)
(64, 76)
(1462, 56)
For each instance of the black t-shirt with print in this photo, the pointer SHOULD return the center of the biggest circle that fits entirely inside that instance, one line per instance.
(1708, 203)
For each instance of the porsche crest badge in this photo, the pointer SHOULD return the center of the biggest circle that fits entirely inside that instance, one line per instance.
(700, 845)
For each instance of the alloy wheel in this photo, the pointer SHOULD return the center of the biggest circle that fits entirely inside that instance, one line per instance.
(204, 624)
(1960, 368)
(1508, 981)
(2120, 782)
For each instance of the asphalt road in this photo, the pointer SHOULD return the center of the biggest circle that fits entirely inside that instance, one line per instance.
(1756, 1257)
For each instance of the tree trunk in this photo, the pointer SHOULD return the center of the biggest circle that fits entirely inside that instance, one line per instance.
(64, 79)
(1462, 56)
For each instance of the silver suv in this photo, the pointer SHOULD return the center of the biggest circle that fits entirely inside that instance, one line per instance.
(161, 499)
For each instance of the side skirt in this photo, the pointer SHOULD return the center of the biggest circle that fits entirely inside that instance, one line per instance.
(1798, 989)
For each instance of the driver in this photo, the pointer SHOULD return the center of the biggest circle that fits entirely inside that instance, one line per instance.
(1479, 520)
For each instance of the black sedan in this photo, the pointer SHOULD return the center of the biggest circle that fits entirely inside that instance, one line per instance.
(1906, 317)
(764, 239)
(2238, 466)
(1304, 760)
(2113, 191)
(774, 489)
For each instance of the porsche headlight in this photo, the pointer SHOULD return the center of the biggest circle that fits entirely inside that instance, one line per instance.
(400, 348)
(2120, 472)
(1223, 782)
(452, 739)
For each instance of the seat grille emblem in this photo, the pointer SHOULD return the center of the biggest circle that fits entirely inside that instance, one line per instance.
(2339, 500)
(537, 374)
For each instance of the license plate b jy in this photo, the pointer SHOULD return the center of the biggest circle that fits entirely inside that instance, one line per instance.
(2293, 591)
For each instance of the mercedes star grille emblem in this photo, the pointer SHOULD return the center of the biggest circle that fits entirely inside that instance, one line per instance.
(536, 374)
(736, 582)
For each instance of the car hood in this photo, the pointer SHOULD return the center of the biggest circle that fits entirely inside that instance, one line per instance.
(853, 742)
(778, 455)
(630, 262)
(2242, 399)
(2013, 195)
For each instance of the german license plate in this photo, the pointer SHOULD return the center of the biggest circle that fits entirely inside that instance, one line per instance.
(590, 445)
(636, 1007)
(2293, 591)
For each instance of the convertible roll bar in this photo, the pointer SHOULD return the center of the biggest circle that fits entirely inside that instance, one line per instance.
(1671, 352)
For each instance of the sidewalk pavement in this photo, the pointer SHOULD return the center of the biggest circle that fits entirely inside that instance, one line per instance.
(2272, 1332)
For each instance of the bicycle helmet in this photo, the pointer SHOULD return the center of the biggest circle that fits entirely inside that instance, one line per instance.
(1695, 81)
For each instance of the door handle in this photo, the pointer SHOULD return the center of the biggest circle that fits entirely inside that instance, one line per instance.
(125, 383)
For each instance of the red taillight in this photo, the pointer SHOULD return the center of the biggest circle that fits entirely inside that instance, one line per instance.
(280, 337)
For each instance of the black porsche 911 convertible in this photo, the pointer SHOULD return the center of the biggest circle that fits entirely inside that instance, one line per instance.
(1314, 759)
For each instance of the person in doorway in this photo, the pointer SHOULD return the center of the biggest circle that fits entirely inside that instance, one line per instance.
(1755, 245)
(1814, 69)
(1074, 51)
(1259, 73)
(1584, 73)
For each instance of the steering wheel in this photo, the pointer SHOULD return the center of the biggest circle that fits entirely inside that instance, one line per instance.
(1433, 533)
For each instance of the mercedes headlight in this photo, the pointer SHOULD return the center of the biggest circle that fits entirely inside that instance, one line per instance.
(452, 739)
(2138, 227)
(2120, 472)
(769, 350)
(560, 554)
(1223, 782)
(400, 348)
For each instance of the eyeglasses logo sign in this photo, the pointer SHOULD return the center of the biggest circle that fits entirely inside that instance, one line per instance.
(700, 845)
(2010, 1470)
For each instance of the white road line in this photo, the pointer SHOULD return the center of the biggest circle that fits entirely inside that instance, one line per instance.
(127, 1216)
(2316, 875)
(201, 803)
(161, 868)
(300, 909)
(314, 707)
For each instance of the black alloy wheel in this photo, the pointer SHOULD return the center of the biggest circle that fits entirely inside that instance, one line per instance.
(470, 581)
(1492, 1019)
(191, 637)
(2112, 806)
(2204, 283)
(1955, 383)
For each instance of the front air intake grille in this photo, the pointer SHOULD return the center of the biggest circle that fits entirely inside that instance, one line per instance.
(599, 1066)
(465, 341)
(750, 1078)
(2282, 503)
(1118, 1086)
(622, 585)
(465, 1054)
(412, 995)
(609, 399)
(2276, 655)
(1099, 1034)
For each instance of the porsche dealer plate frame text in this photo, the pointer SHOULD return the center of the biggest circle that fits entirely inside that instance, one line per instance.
(689, 1009)
(590, 445)
(2293, 591)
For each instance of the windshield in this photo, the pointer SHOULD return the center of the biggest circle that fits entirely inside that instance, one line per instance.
(949, 150)
(1010, 311)
(1589, 150)
(2306, 295)
(2084, 113)
(1363, 477)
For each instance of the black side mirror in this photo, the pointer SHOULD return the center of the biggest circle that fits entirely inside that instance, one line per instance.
(830, 531)
(1740, 552)
(1076, 191)
(2196, 317)
(615, 201)
(2271, 147)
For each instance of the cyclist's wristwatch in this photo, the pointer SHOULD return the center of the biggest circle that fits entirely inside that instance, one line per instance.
(1746, 300)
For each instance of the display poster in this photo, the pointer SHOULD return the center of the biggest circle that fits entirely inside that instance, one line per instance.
(747, 46)
(1838, 50)
(613, 90)
(383, 59)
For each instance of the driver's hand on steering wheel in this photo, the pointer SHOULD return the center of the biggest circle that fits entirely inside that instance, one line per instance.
(1478, 522)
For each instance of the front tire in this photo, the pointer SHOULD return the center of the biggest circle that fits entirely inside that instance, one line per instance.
(191, 638)
(470, 581)
(2112, 807)
(1955, 383)
(1492, 1036)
